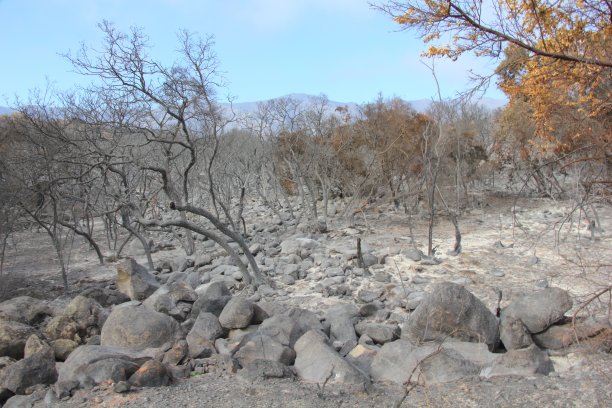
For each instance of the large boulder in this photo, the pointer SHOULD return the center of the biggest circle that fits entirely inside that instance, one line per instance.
(341, 319)
(133, 325)
(174, 299)
(13, 337)
(105, 297)
(281, 328)
(259, 346)
(212, 297)
(532, 314)
(38, 368)
(62, 327)
(401, 361)
(237, 314)
(452, 311)
(135, 281)
(381, 333)
(523, 362)
(90, 365)
(201, 338)
(151, 374)
(24, 309)
(316, 361)
(88, 315)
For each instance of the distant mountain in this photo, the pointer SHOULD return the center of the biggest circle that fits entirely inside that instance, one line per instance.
(5, 111)
(244, 108)
(420, 105)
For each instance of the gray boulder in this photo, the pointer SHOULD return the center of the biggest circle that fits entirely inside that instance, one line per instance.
(174, 299)
(264, 369)
(341, 319)
(90, 365)
(212, 298)
(451, 310)
(561, 336)
(24, 309)
(281, 328)
(316, 361)
(62, 348)
(401, 361)
(514, 334)
(259, 346)
(524, 362)
(201, 338)
(135, 281)
(539, 310)
(13, 337)
(88, 315)
(381, 333)
(237, 314)
(135, 326)
(62, 327)
(39, 368)
(105, 297)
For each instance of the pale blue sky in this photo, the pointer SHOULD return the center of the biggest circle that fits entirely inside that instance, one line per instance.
(267, 48)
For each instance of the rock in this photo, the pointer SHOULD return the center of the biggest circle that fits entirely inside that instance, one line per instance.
(450, 310)
(237, 314)
(62, 327)
(151, 374)
(401, 361)
(367, 296)
(23, 401)
(33, 345)
(379, 332)
(264, 369)
(259, 346)
(176, 354)
(122, 387)
(135, 280)
(539, 310)
(559, 337)
(317, 362)
(24, 309)
(105, 297)
(62, 348)
(302, 247)
(370, 309)
(413, 254)
(13, 337)
(39, 368)
(514, 334)
(90, 365)
(169, 297)
(446, 366)
(212, 298)
(202, 336)
(135, 326)
(305, 319)
(6, 361)
(341, 319)
(523, 362)
(281, 328)
(88, 315)
(361, 356)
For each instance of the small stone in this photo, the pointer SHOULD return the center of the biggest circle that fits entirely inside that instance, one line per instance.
(121, 387)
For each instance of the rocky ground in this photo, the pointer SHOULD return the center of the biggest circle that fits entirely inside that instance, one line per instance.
(513, 248)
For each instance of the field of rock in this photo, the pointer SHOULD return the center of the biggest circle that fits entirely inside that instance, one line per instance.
(405, 330)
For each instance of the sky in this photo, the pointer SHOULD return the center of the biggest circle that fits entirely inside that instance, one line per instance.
(266, 48)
